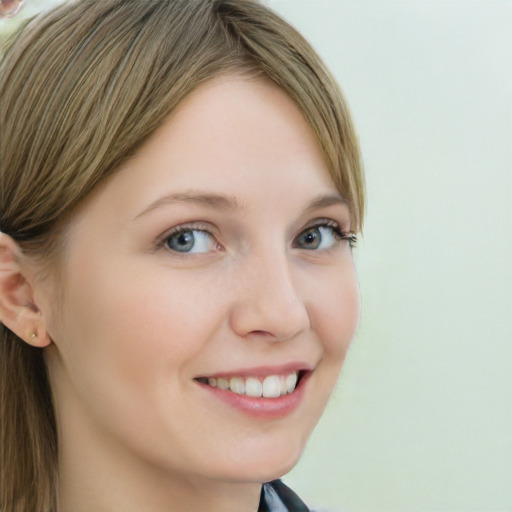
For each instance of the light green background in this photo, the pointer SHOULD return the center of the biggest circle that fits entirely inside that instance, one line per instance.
(422, 418)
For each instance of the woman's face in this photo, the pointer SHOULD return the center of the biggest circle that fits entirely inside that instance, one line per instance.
(217, 256)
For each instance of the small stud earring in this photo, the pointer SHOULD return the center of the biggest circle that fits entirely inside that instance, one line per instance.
(33, 336)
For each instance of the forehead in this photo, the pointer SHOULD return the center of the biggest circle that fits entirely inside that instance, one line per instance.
(236, 123)
(236, 137)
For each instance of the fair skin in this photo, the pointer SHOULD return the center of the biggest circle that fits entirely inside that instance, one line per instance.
(146, 315)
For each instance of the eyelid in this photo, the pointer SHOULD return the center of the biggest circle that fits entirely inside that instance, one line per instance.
(325, 221)
(340, 232)
(188, 226)
(211, 230)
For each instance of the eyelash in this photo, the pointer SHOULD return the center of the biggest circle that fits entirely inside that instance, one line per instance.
(338, 233)
(162, 241)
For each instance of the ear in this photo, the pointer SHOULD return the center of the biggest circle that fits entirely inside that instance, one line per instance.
(18, 310)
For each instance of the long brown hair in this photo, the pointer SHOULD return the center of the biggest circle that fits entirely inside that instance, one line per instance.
(81, 88)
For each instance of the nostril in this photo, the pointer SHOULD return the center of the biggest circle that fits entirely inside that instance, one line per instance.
(270, 336)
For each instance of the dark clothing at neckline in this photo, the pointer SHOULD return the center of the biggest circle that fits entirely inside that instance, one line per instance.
(277, 497)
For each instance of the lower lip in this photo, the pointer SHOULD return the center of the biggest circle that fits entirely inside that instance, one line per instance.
(264, 408)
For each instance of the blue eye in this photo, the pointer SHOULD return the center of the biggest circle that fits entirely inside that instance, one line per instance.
(321, 238)
(190, 241)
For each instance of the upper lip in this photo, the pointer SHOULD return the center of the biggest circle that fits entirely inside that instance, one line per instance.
(263, 371)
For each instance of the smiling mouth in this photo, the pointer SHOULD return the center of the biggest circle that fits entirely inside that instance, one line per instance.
(271, 386)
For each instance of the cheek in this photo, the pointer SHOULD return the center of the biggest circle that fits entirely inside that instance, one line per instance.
(131, 336)
(128, 350)
(336, 311)
(142, 316)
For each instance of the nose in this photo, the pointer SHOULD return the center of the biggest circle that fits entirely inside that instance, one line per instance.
(267, 304)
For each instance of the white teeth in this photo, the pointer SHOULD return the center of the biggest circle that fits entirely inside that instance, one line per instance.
(237, 385)
(291, 382)
(253, 387)
(282, 384)
(272, 386)
(222, 384)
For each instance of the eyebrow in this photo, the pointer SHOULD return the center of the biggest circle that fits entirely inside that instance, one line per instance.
(221, 202)
(213, 201)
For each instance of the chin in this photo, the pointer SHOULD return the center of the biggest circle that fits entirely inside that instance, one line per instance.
(263, 465)
(273, 472)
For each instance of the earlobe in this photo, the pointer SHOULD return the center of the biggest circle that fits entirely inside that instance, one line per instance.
(18, 310)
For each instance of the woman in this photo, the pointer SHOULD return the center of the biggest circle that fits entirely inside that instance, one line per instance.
(181, 188)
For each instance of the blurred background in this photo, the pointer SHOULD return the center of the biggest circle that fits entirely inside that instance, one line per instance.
(421, 420)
